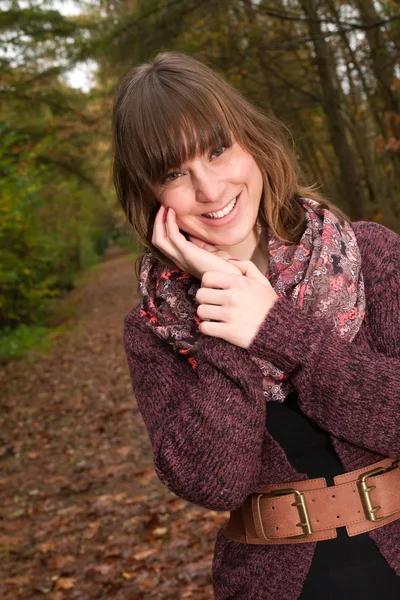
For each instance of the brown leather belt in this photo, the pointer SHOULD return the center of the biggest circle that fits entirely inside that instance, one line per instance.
(310, 511)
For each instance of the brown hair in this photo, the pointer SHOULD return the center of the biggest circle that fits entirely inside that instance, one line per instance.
(168, 110)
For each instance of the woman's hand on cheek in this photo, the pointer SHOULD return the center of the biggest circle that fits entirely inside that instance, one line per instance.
(195, 257)
(235, 312)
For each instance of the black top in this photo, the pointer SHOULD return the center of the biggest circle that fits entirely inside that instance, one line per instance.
(343, 568)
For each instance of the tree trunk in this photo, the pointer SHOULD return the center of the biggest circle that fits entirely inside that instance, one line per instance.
(383, 66)
(351, 189)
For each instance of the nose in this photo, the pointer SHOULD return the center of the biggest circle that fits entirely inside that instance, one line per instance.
(208, 185)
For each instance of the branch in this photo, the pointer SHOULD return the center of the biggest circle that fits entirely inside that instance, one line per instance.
(289, 83)
(71, 169)
(132, 22)
(13, 94)
(349, 25)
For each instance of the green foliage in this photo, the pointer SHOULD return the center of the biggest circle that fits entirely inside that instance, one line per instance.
(49, 229)
(16, 342)
(26, 251)
(57, 215)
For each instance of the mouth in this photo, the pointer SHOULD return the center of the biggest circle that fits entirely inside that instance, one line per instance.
(222, 216)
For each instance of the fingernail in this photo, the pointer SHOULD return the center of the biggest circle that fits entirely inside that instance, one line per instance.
(234, 259)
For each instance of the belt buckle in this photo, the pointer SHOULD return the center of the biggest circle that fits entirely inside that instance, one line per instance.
(365, 490)
(301, 506)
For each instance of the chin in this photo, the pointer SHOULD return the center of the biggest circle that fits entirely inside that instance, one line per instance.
(232, 239)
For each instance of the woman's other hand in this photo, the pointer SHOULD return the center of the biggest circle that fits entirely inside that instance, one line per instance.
(238, 304)
(194, 256)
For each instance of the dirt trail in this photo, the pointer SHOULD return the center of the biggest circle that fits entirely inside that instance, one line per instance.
(83, 515)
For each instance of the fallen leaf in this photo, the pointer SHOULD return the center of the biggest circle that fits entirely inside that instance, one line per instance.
(120, 497)
(65, 583)
(91, 530)
(70, 510)
(57, 479)
(103, 569)
(10, 541)
(19, 580)
(56, 596)
(144, 554)
(127, 576)
(33, 454)
(176, 505)
(125, 450)
(114, 469)
(46, 546)
(159, 531)
(59, 562)
(149, 583)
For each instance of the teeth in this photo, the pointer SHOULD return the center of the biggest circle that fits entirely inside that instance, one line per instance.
(222, 213)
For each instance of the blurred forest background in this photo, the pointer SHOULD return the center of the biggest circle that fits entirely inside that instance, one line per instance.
(328, 68)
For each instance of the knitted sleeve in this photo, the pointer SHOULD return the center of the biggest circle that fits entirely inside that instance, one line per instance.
(206, 425)
(350, 391)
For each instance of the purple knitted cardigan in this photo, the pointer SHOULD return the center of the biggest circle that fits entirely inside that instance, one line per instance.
(207, 427)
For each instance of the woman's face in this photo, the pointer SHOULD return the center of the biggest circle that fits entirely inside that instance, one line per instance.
(220, 180)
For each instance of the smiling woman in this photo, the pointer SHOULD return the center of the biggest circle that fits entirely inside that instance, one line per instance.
(264, 390)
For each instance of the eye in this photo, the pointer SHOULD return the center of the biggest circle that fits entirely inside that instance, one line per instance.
(172, 176)
(217, 152)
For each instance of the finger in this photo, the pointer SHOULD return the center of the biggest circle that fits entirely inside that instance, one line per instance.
(158, 226)
(218, 280)
(173, 232)
(249, 269)
(202, 244)
(218, 330)
(161, 239)
(161, 232)
(211, 296)
(214, 250)
(224, 255)
(209, 311)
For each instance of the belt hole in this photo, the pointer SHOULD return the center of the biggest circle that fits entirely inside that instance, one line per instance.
(333, 496)
(317, 520)
(273, 508)
(338, 517)
(277, 528)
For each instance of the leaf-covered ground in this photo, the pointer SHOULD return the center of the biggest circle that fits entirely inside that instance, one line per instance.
(83, 514)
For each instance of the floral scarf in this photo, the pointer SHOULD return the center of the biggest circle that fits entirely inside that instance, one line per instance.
(321, 275)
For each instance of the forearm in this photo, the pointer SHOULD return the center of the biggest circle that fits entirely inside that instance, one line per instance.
(206, 425)
(348, 390)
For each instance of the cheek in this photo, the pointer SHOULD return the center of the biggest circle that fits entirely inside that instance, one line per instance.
(253, 170)
(246, 170)
(254, 176)
(178, 200)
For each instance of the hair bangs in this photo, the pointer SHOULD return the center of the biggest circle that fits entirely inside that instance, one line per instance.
(173, 127)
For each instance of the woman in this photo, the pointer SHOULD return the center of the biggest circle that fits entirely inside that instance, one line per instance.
(265, 352)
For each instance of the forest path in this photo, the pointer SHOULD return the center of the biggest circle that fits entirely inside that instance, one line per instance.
(83, 515)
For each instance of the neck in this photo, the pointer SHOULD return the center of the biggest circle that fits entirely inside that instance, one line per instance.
(254, 248)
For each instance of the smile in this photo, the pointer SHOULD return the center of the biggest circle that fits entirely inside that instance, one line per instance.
(222, 213)
(224, 217)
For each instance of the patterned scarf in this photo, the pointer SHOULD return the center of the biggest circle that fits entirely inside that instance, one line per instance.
(321, 275)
